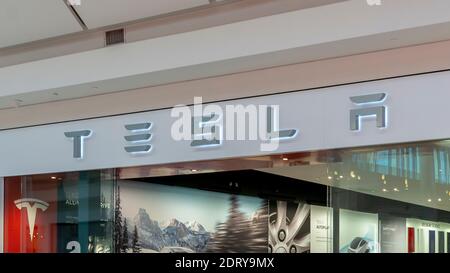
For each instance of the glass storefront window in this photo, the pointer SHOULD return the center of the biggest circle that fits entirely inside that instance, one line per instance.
(403, 189)
(379, 199)
(391, 198)
(68, 212)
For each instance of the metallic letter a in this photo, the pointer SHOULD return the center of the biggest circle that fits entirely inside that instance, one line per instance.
(378, 111)
(31, 205)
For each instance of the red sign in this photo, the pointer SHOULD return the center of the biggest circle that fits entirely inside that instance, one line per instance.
(30, 215)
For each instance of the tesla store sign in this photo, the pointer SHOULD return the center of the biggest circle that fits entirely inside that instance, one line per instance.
(387, 111)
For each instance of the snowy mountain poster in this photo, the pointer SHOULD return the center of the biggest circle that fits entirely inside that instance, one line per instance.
(159, 218)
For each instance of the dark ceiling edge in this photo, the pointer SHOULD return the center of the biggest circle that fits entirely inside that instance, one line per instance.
(231, 99)
(75, 14)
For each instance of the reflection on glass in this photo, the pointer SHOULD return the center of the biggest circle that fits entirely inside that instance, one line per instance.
(398, 195)
(406, 187)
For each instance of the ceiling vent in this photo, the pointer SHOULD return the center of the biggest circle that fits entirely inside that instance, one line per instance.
(116, 36)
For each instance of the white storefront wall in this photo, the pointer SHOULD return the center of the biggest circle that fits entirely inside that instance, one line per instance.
(416, 110)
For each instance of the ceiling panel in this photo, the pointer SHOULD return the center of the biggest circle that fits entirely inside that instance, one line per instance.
(100, 13)
(23, 21)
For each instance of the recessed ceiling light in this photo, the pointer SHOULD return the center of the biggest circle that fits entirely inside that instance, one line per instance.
(429, 200)
(285, 158)
(384, 190)
(329, 177)
(193, 170)
(395, 189)
(53, 177)
(439, 199)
